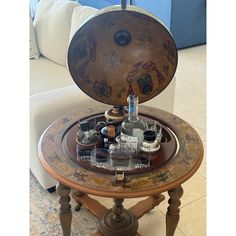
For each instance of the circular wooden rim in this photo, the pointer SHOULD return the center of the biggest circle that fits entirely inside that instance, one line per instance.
(133, 193)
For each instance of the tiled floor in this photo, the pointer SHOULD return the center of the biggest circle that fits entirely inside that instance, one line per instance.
(190, 105)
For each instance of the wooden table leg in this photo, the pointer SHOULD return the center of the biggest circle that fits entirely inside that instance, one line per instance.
(79, 204)
(172, 215)
(118, 221)
(65, 214)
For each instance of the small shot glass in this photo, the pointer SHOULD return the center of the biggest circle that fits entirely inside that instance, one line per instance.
(100, 158)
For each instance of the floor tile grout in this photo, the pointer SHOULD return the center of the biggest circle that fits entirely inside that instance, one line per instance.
(202, 176)
(182, 231)
(187, 204)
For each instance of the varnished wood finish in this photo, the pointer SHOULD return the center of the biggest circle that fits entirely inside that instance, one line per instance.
(118, 209)
(65, 214)
(109, 72)
(144, 206)
(167, 178)
(79, 204)
(91, 204)
(100, 234)
(173, 174)
(172, 215)
(118, 221)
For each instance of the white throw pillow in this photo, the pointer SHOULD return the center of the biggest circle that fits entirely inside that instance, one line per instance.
(79, 16)
(52, 26)
(34, 52)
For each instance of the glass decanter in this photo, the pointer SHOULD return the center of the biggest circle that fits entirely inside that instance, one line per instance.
(133, 126)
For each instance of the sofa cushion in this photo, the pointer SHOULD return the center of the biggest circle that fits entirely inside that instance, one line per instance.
(46, 75)
(34, 52)
(52, 25)
(79, 16)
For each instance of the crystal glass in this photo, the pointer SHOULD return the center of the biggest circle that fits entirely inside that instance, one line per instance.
(155, 126)
(158, 133)
(124, 144)
(120, 157)
(141, 161)
(151, 126)
(100, 158)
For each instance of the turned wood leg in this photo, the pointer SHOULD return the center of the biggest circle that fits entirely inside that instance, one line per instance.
(79, 204)
(118, 209)
(65, 214)
(118, 221)
(172, 215)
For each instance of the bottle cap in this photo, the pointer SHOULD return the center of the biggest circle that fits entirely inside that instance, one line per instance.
(84, 126)
(149, 135)
(111, 131)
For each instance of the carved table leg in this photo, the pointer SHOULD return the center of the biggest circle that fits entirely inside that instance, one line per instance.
(65, 214)
(118, 209)
(118, 221)
(79, 204)
(172, 215)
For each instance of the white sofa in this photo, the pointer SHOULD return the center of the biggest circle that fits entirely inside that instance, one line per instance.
(53, 93)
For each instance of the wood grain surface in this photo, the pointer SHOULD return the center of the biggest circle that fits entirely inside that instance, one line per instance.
(181, 167)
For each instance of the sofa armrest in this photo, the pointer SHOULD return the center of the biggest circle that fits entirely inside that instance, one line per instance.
(44, 109)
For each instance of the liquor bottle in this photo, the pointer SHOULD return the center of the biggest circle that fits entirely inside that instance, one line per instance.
(133, 127)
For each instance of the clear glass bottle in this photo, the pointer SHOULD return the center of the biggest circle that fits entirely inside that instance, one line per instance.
(133, 127)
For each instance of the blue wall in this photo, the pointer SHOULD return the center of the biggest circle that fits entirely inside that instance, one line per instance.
(162, 9)
(100, 3)
(188, 22)
(91, 3)
(186, 19)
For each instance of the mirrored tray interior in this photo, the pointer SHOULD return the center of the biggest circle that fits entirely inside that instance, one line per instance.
(99, 159)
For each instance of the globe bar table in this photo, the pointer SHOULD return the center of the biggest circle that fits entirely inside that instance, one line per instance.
(119, 221)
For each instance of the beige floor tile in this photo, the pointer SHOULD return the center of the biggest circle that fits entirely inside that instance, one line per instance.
(182, 105)
(190, 89)
(194, 189)
(202, 169)
(193, 218)
(192, 62)
(195, 117)
(191, 84)
(201, 133)
(186, 100)
(107, 202)
(151, 224)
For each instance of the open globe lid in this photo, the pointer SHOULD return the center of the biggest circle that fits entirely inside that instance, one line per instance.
(118, 52)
